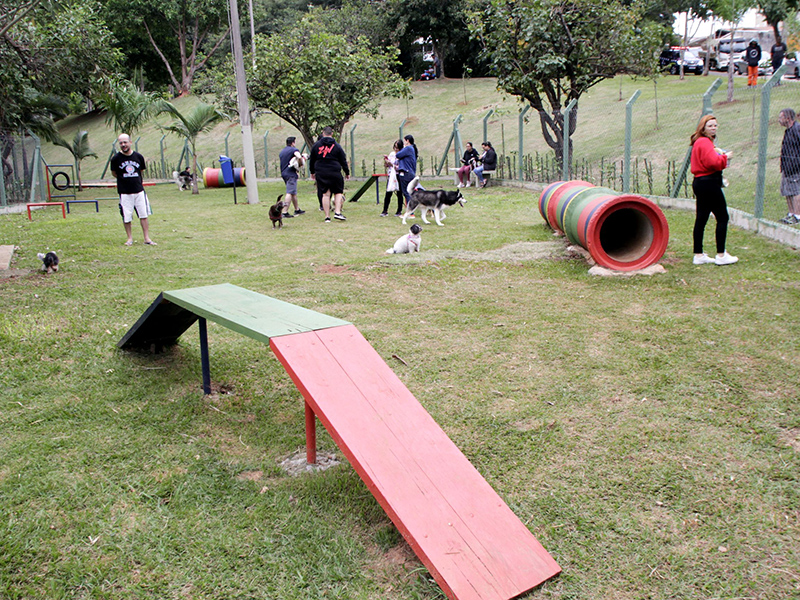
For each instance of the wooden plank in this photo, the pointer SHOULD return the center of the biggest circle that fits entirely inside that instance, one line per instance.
(160, 325)
(467, 537)
(252, 314)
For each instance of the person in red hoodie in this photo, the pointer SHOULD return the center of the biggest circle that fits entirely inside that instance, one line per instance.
(707, 165)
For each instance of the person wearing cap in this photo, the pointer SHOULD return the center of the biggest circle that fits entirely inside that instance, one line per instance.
(752, 57)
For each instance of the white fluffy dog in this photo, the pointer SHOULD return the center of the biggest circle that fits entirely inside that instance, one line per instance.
(410, 242)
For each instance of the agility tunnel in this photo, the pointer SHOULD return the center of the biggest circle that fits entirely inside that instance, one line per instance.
(623, 232)
(213, 178)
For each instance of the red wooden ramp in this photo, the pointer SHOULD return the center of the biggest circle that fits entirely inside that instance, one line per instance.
(471, 542)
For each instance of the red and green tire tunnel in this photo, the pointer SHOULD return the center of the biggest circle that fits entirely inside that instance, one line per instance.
(623, 232)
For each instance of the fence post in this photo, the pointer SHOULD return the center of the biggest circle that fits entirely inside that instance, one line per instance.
(486, 125)
(227, 152)
(707, 110)
(108, 161)
(521, 123)
(626, 173)
(403, 124)
(566, 159)
(763, 136)
(353, 149)
(453, 134)
(266, 160)
(3, 201)
(163, 162)
(457, 139)
(136, 144)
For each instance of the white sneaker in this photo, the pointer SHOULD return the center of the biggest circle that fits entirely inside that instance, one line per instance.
(725, 259)
(702, 259)
(468, 184)
(460, 185)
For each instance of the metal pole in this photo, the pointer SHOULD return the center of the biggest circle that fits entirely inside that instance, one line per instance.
(136, 144)
(266, 157)
(244, 105)
(522, 114)
(204, 362)
(763, 136)
(486, 125)
(403, 124)
(227, 152)
(163, 162)
(311, 436)
(3, 201)
(566, 161)
(626, 171)
(353, 150)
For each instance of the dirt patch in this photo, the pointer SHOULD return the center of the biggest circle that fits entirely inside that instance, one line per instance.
(7, 274)
(250, 476)
(334, 269)
(513, 253)
(791, 438)
(296, 464)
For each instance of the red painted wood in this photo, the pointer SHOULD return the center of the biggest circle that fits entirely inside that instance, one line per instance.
(472, 543)
(311, 436)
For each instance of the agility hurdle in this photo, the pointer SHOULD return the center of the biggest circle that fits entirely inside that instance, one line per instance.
(471, 542)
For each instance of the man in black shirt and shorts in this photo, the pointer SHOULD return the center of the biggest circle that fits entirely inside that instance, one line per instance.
(326, 163)
(127, 167)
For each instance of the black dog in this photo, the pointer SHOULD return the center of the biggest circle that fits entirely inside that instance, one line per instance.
(49, 262)
(276, 212)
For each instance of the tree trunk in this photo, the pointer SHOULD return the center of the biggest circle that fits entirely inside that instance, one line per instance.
(194, 172)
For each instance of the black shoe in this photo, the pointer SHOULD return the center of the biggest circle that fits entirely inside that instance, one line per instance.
(287, 216)
(327, 219)
(299, 212)
(339, 217)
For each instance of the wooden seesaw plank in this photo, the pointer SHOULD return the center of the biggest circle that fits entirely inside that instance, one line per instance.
(472, 543)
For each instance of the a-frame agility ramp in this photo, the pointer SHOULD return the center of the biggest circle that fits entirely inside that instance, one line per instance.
(468, 538)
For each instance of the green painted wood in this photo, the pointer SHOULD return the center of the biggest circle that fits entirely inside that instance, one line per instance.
(252, 314)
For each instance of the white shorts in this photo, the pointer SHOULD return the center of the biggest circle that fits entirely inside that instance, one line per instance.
(130, 202)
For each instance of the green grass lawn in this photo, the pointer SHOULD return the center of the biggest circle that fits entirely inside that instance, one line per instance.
(645, 429)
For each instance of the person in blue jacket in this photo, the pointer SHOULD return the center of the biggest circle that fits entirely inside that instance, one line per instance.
(407, 165)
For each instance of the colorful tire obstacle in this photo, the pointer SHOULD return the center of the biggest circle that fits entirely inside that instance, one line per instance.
(624, 232)
(212, 178)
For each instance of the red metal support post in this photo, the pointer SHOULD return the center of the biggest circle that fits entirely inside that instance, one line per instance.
(311, 436)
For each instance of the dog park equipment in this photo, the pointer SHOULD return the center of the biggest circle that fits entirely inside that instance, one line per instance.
(215, 178)
(61, 204)
(95, 202)
(471, 542)
(623, 232)
(374, 178)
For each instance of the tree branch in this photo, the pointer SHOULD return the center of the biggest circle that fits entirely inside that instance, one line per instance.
(161, 54)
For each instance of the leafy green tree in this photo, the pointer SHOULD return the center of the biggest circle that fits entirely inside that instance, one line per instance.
(79, 148)
(202, 118)
(775, 11)
(183, 33)
(311, 77)
(550, 52)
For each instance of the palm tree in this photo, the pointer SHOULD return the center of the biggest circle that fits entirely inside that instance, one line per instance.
(127, 107)
(202, 118)
(79, 149)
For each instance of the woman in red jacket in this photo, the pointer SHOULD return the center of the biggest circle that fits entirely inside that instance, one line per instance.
(707, 165)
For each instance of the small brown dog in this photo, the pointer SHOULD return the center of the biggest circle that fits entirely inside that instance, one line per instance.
(276, 212)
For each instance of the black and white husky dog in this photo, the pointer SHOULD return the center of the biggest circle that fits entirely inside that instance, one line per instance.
(410, 242)
(435, 200)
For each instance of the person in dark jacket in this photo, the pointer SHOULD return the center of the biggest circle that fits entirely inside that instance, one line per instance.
(326, 163)
(407, 165)
(488, 163)
(752, 56)
(790, 165)
(777, 54)
(469, 161)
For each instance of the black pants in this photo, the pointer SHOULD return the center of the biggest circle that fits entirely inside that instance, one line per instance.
(388, 198)
(710, 199)
(403, 179)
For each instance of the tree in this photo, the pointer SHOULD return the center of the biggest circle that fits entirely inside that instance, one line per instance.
(549, 52)
(775, 11)
(127, 108)
(180, 32)
(202, 118)
(311, 77)
(79, 148)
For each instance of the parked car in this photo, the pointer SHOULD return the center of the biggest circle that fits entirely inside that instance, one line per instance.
(670, 60)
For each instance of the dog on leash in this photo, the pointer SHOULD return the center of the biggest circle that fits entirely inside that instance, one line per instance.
(410, 242)
(276, 212)
(435, 200)
(49, 262)
(183, 179)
